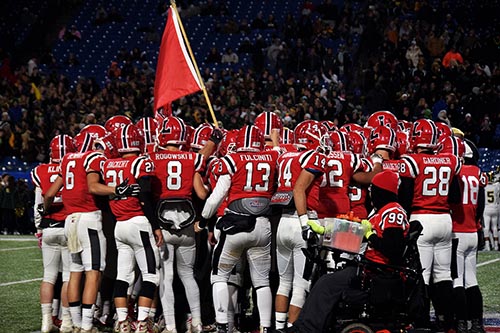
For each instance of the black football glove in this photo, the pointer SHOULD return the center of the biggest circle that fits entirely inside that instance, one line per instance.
(41, 210)
(216, 136)
(126, 190)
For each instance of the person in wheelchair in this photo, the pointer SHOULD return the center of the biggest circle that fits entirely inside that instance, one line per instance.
(385, 231)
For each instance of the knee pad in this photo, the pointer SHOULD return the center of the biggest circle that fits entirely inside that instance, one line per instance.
(147, 290)
(298, 297)
(284, 288)
(121, 288)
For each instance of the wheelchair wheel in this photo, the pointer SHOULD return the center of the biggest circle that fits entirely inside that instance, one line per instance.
(357, 328)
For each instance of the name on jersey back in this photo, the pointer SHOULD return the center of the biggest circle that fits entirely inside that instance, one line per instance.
(437, 160)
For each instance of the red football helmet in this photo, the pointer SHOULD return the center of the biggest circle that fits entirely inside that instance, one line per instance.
(107, 144)
(402, 143)
(404, 125)
(83, 142)
(172, 132)
(443, 129)
(266, 121)
(201, 135)
(95, 131)
(339, 141)
(249, 139)
(351, 127)
(189, 136)
(287, 136)
(148, 127)
(116, 122)
(424, 134)
(357, 143)
(452, 145)
(60, 145)
(228, 143)
(311, 134)
(382, 118)
(330, 125)
(382, 137)
(128, 139)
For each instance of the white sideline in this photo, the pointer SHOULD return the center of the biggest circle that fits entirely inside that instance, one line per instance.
(488, 262)
(18, 239)
(19, 282)
(19, 248)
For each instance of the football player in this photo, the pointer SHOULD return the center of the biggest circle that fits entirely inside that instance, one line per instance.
(341, 168)
(80, 182)
(51, 230)
(247, 178)
(266, 122)
(137, 233)
(299, 175)
(492, 214)
(177, 176)
(431, 186)
(466, 216)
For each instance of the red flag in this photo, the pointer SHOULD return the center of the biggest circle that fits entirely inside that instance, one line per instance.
(175, 73)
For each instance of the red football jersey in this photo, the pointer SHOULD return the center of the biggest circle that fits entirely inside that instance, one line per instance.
(334, 190)
(291, 164)
(433, 175)
(212, 176)
(43, 176)
(116, 171)
(391, 215)
(75, 192)
(253, 174)
(463, 215)
(174, 173)
(359, 194)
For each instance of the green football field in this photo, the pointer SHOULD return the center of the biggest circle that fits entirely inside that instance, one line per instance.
(21, 272)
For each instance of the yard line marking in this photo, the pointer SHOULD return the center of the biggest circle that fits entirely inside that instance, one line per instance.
(19, 248)
(488, 262)
(12, 239)
(19, 282)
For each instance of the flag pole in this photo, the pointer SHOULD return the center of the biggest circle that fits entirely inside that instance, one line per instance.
(203, 88)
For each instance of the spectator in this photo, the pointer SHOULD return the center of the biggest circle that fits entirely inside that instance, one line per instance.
(435, 45)
(213, 56)
(452, 58)
(413, 54)
(114, 70)
(469, 127)
(8, 200)
(246, 46)
(258, 22)
(101, 16)
(72, 61)
(229, 57)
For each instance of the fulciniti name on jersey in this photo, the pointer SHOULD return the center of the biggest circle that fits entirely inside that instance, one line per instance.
(257, 158)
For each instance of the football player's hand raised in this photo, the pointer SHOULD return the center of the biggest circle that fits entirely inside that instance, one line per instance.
(216, 136)
(126, 190)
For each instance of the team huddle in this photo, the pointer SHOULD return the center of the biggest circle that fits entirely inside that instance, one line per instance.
(120, 209)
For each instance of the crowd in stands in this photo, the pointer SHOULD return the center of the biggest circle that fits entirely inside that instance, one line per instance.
(437, 60)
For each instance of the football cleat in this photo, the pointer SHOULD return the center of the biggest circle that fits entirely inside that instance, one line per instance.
(169, 331)
(122, 327)
(143, 327)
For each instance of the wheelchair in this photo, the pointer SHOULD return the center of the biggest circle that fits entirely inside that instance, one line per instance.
(394, 294)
